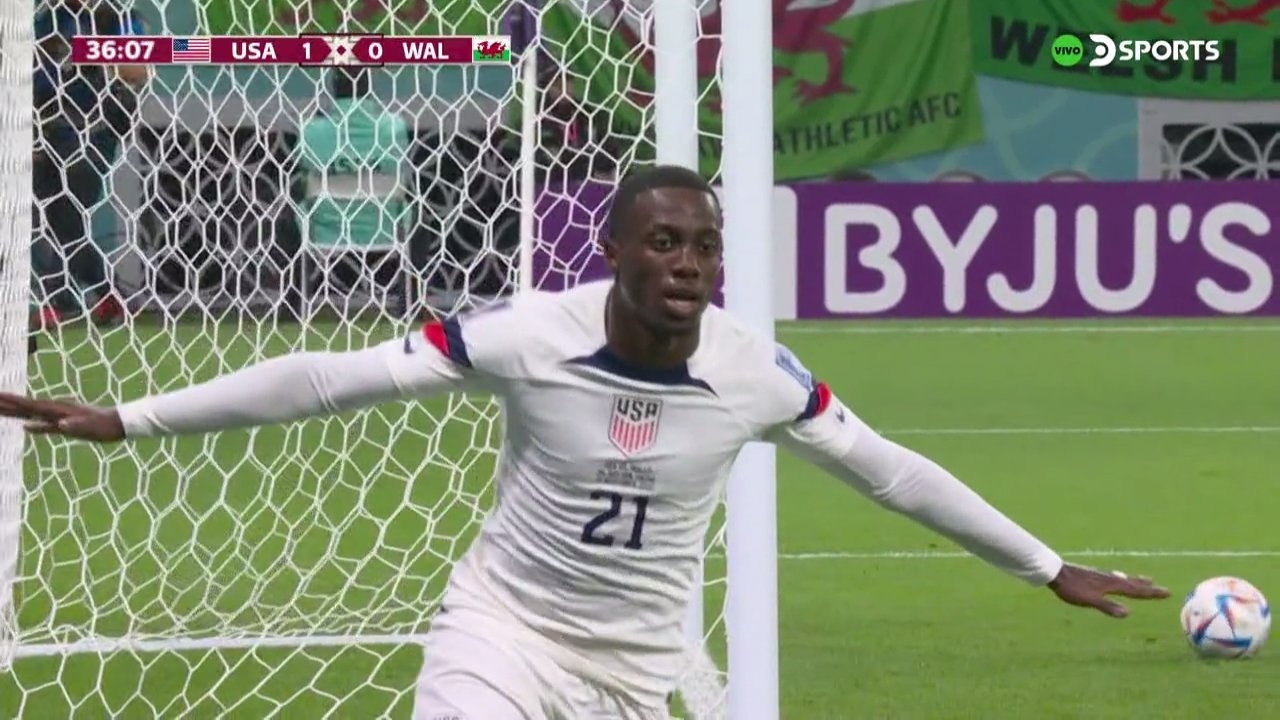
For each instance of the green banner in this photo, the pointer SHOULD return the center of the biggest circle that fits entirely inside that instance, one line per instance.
(402, 17)
(1016, 40)
(851, 88)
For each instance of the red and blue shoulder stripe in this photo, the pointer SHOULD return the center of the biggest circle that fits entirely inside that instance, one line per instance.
(446, 336)
(819, 401)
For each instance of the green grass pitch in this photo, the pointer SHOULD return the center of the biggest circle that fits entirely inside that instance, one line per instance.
(1148, 450)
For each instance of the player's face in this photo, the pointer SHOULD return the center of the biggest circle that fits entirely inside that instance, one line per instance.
(668, 257)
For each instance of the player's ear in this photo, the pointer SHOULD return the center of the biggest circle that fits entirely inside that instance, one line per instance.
(610, 247)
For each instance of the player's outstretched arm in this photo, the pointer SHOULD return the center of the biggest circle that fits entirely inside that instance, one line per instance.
(279, 390)
(907, 482)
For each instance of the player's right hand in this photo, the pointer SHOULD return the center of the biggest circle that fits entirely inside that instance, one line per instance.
(62, 417)
(1086, 587)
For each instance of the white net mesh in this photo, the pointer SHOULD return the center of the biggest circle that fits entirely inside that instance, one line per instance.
(15, 260)
(284, 572)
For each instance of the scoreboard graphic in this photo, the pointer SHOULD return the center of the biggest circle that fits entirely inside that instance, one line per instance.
(305, 50)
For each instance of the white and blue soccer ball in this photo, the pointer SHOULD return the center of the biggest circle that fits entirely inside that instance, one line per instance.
(1226, 618)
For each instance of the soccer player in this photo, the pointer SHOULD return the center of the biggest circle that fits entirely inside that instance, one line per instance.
(626, 402)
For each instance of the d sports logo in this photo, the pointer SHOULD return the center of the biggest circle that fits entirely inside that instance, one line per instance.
(1069, 51)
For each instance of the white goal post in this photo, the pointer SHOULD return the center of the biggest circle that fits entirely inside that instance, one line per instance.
(293, 570)
(16, 54)
(752, 523)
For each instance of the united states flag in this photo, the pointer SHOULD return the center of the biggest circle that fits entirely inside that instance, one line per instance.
(191, 50)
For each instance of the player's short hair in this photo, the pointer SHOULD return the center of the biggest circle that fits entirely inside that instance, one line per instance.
(649, 178)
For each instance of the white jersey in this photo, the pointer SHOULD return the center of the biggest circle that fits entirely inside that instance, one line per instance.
(609, 474)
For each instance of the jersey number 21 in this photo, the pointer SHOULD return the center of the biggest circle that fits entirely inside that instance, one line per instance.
(616, 500)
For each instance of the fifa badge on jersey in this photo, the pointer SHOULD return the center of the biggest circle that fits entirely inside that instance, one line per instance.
(790, 364)
(633, 426)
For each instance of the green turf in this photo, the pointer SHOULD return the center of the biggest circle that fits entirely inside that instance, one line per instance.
(209, 537)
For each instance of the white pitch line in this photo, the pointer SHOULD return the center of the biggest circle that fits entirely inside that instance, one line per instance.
(851, 327)
(1171, 430)
(928, 555)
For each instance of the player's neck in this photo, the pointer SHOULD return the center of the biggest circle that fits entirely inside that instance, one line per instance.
(632, 341)
(643, 348)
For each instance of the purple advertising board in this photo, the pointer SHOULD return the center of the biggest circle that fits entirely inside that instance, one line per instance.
(569, 222)
(990, 250)
(1037, 249)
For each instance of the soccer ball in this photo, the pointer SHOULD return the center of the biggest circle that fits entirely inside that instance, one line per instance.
(1226, 617)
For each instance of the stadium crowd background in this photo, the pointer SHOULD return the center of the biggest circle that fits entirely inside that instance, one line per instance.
(205, 187)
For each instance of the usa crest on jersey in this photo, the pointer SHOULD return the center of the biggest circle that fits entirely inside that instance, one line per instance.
(633, 427)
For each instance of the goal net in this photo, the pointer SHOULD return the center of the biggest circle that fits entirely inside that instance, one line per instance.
(235, 215)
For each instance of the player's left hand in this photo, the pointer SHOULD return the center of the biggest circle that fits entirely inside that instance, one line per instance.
(1087, 587)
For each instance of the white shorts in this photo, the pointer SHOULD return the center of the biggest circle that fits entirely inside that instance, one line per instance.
(476, 668)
